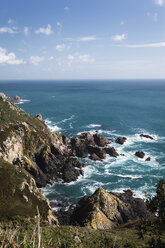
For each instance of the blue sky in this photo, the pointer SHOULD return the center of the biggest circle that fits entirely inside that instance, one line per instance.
(82, 39)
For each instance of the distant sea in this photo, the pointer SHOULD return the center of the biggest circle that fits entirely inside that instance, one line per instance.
(113, 108)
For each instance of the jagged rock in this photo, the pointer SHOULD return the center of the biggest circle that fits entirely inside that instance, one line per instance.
(81, 151)
(148, 159)
(105, 210)
(56, 166)
(121, 140)
(111, 151)
(98, 151)
(146, 136)
(100, 140)
(95, 157)
(39, 117)
(65, 140)
(138, 206)
(27, 142)
(140, 154)
(16, 99)
(20, 196)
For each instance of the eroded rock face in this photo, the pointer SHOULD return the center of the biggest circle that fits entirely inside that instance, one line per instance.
(105, 210)
(20, 196)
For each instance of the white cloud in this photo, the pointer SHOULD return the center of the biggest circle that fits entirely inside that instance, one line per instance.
(160, 2)
(87, 38)
(80, 58)
(12, 30)
(66, 8)
(119, 37)
(9, 58)
(26, 31)
(59, 27)
(35, 60)
(154, 45)
(51, 58)
(60, 48)
(46, 31)
(86, 58)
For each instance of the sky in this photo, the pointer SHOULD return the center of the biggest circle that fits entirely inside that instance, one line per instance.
(82, 39)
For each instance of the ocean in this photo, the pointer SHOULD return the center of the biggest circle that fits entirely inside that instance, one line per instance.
(113, 108)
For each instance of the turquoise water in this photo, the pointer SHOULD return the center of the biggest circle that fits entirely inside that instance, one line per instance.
(115, 108)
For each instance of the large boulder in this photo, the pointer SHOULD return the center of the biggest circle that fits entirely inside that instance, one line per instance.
(111, 151)
(121, 140)
(140, 154)
(98, 151)
(105, 210)
(100, 140)
(20, 196)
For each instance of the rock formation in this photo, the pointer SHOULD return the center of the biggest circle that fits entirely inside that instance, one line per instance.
(146, 136)
(27, 142)
(121, 140)
(140, 154)
(105, 210)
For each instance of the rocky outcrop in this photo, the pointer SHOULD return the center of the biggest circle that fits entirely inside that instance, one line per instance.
(105, 210)
(16, 99)
(111, 151)
(140, 154)
(121, 140)
(95, 146)
(146, 136)
(39, 117)
(27, 142)
(100, 140)
(20, 196)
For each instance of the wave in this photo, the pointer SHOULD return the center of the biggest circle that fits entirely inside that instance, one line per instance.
(100, 131)
(93, 125)
(22, 101)
(123, 176)
(67, 119)
(53, 127)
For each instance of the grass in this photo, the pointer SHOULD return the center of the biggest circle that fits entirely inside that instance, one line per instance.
(23, 233)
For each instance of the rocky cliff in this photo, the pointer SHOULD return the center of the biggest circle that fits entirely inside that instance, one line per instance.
(27, 142)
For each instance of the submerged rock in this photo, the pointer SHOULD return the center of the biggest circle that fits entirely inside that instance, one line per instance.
(140, 154)
(146, 136)
(148, 159)
(121, 140)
